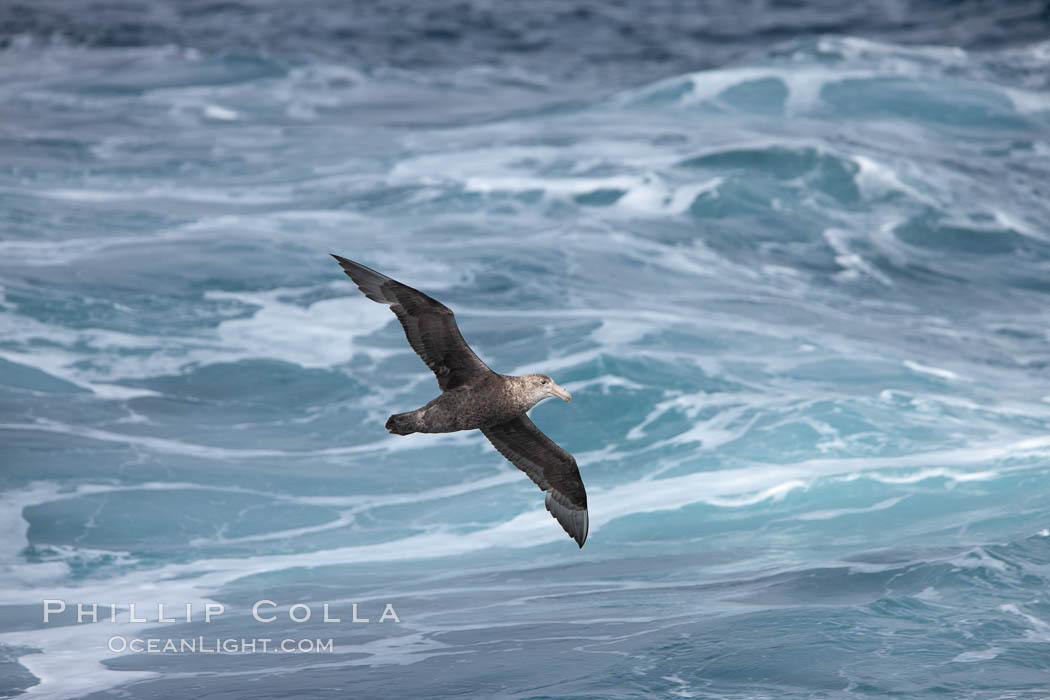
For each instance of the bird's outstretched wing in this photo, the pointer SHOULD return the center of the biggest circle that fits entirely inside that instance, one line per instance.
(553, 469)
(429, 325)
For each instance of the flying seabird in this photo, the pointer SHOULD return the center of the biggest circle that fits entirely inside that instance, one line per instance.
(475, 397)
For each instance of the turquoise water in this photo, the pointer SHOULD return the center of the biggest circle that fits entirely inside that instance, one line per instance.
(800, 300)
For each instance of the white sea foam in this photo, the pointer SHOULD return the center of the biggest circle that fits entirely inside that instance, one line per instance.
(221, 113)
(839, 512)
(1039, 629)
(320, 335)
(853, 264)
(969, 657)
(935, 371)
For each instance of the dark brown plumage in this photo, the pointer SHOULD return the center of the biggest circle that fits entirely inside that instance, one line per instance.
(475, 397)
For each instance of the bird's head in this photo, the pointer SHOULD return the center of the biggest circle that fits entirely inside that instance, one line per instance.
(539, 387)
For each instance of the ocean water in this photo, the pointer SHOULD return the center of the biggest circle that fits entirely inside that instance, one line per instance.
(797, 281)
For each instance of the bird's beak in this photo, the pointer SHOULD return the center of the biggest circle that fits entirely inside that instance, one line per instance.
(560, 393)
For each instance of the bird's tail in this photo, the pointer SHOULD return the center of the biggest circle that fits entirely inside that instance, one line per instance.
(403, 423)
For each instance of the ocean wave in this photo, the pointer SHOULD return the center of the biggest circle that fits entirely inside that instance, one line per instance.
(798, 299)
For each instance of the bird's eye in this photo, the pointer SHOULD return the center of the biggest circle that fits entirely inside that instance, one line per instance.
(543, 381)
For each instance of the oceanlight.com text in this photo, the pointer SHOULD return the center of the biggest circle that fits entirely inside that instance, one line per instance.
(219, 645)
